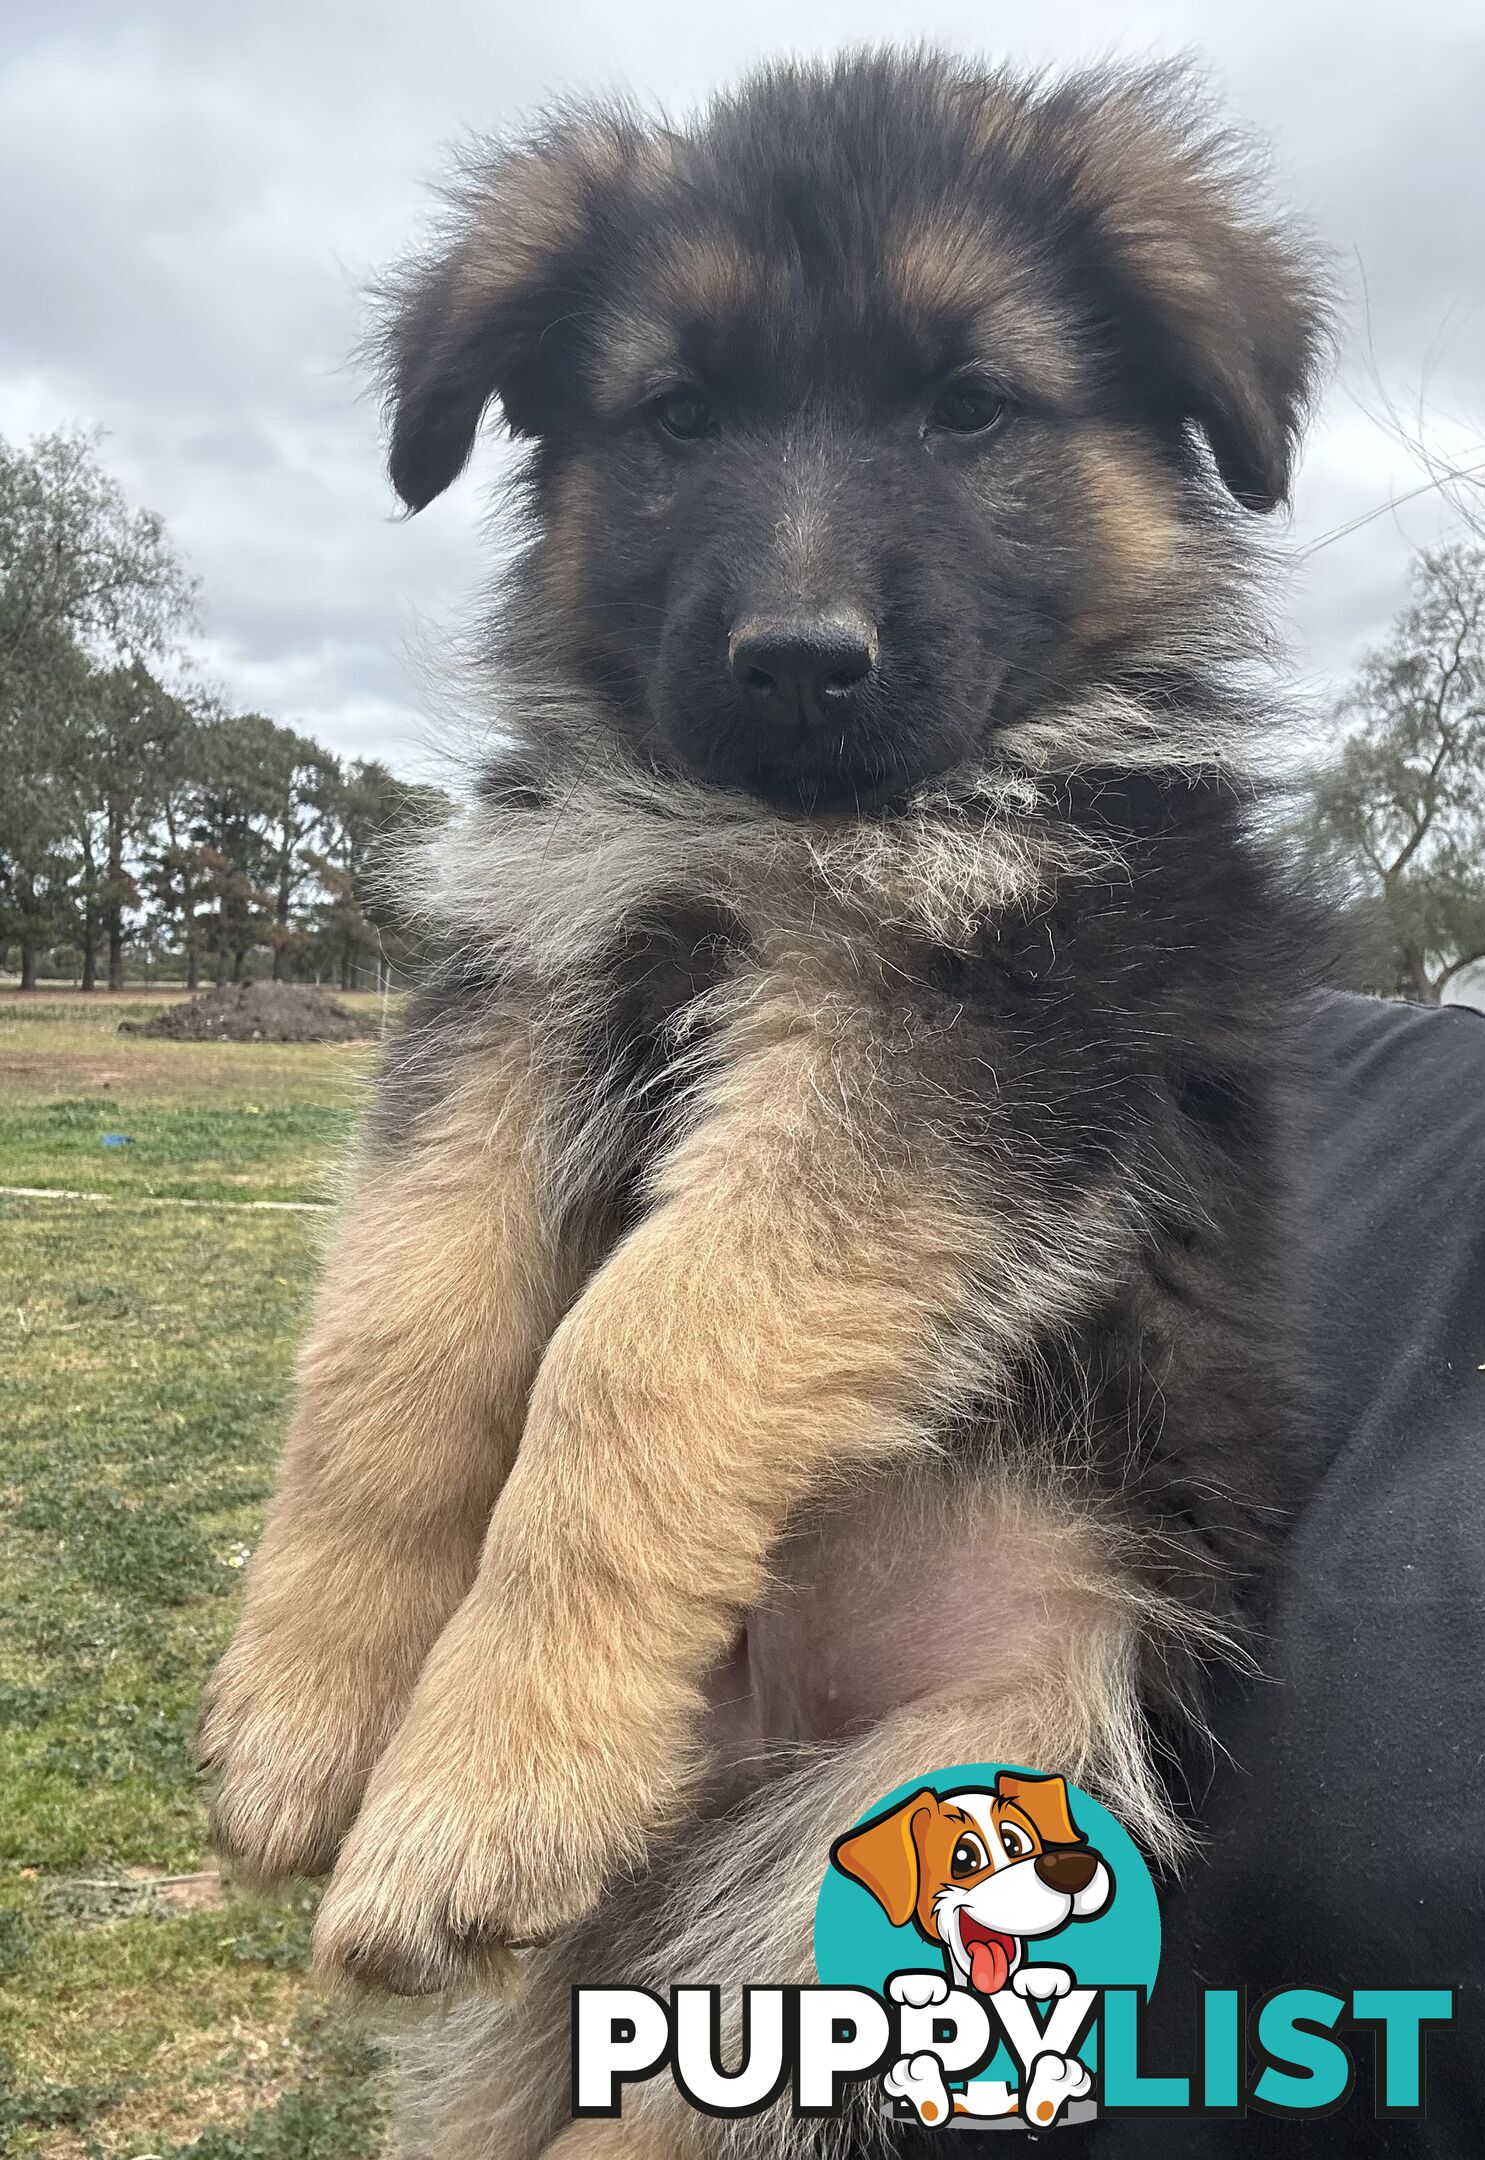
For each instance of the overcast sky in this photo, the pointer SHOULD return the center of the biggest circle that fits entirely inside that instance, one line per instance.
(191, 198)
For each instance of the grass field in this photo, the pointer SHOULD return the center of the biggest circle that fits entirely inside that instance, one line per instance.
(145, 2008)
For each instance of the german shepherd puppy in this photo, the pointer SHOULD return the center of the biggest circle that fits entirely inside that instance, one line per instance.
(809, 1280)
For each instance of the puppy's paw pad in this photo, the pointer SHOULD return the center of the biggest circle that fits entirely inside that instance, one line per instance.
(919, 1990)
(919, 2080)
(1054, 2081)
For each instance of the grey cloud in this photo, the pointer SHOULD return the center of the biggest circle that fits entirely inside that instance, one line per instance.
(193, 199)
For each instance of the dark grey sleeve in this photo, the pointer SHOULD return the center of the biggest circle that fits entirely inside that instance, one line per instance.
(1342, 1811)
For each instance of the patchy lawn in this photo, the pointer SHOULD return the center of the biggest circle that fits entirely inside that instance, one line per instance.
(144, 1370)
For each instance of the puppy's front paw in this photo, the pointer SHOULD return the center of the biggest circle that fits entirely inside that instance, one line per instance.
(469, 1844)
(1041, 1983)
(290, 1747)
(415, 1905)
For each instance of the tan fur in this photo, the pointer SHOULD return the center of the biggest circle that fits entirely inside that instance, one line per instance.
(704, 276)
(607, 2141)
(541, 204)
(1131, 506)
(1237, 303)
(800, 1299)
(811, 1288)
(712, 275)
(566, 527)
(783, 1310)
(734, 1905)
(952, 269)
(442, 1284)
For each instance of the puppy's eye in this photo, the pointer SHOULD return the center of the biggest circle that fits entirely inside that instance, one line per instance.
(969, 405)
(968, 1856)
(684, 415)
(1016, 1843)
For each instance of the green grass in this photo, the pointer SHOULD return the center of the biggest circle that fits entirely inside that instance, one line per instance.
(177, 1151)
(144, 1372)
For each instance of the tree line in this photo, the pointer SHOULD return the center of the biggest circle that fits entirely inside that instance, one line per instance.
(1396, 809)
(144, 825)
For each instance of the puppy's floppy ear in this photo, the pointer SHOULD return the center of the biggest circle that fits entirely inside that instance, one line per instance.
(496, 307)
(883, 1857)
(1221, 314)
(1044, 1801)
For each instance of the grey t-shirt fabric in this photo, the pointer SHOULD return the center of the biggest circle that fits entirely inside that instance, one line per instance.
(1343, 1810)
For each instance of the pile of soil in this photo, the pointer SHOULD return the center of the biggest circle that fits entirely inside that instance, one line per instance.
(257, 1012)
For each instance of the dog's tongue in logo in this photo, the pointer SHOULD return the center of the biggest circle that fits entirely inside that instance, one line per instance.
(989, 1955)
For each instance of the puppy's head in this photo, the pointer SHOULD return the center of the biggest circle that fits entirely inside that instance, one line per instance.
(980, 1872)
(884, 404)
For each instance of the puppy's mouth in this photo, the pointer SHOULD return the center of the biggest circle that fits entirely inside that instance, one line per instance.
(811, 775)
(989, 1953)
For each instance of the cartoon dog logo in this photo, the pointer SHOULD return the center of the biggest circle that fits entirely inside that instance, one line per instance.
(979, 1875)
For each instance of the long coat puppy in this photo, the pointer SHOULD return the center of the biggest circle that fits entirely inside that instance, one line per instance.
(850, 1061)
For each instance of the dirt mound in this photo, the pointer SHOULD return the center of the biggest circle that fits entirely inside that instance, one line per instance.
(257, 1012)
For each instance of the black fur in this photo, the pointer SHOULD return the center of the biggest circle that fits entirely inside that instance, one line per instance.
(848, 242)
(1164, 341)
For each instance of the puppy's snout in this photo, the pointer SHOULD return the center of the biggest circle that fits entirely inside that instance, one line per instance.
(1068, 1872)
(810, 662)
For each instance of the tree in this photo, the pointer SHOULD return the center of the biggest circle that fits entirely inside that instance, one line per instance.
(113, 748)
(77, 563)
(38, 853)
(360, 803)
(91, 598)
(369, 811)
(174, 873)
(35, 857)
(131, 805)
(229, 831)
(1400, 811)
(302, 779)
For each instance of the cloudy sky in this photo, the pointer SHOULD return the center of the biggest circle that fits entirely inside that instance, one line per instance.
(191, 199)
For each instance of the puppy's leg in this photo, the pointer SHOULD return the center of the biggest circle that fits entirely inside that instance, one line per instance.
(803, 1299)
(775, 1314)
(443, 1284)
(732, 1904)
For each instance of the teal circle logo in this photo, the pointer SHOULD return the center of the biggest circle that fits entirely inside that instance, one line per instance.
(857, 1942)
(1008, 1884)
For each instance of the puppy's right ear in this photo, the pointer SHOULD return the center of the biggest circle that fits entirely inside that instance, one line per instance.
(883, 1856)
(496, 307)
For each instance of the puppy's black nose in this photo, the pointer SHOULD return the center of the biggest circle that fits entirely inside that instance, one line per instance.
(810, 662)
(1069, 1872)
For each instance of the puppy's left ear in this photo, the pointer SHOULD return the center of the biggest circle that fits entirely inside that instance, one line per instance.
(1221, 312)
(498, 306)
